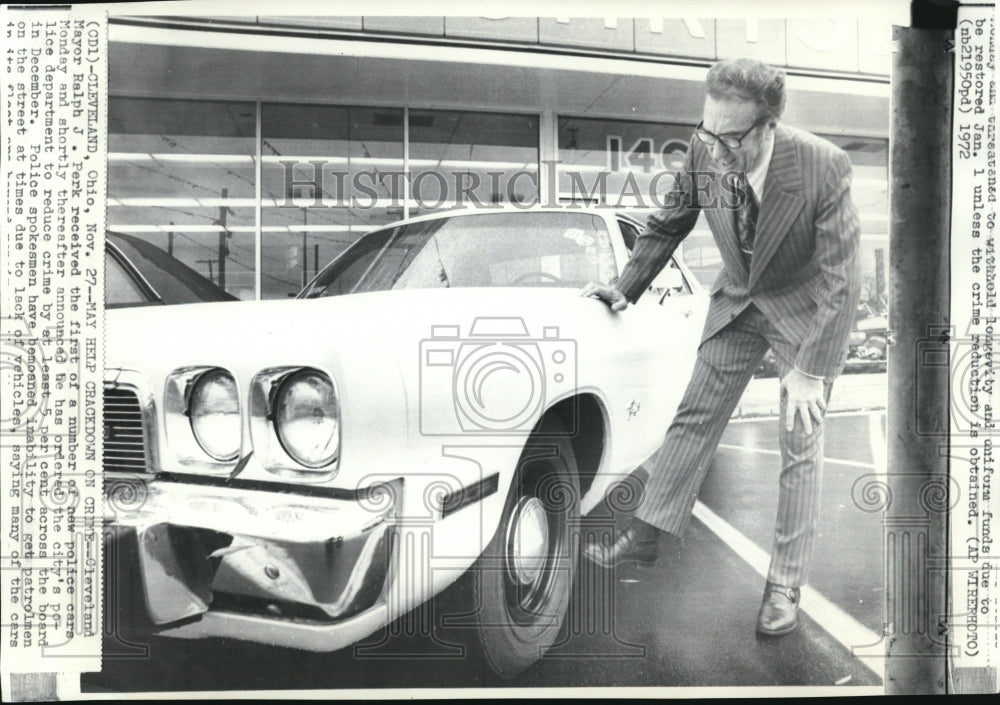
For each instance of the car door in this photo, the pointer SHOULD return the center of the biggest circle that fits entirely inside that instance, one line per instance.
(663, 330)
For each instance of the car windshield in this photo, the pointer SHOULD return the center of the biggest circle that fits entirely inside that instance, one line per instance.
(482, 250)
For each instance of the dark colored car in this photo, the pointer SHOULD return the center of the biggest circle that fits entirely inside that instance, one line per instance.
(138, 273)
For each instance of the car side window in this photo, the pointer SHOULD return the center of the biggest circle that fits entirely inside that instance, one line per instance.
(669, 282)
(629, 234)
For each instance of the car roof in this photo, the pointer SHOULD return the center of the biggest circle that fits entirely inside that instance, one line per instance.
(507, 208)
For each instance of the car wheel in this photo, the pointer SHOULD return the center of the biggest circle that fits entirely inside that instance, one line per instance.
(520, 587)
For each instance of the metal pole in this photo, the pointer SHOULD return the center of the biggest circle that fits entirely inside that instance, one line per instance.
(223, 234)
(915, 531)
(209, 262)
(258, 242)
(305, 245)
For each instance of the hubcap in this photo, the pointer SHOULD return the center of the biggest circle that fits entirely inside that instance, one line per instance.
(528, 540)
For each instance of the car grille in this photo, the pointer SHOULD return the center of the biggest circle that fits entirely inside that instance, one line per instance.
(124, 440)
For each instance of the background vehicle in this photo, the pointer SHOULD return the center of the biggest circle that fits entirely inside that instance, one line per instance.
(137, 273)
(439, 403)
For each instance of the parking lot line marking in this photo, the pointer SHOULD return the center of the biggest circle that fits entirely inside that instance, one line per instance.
(751, 449)
(773, 417)
(841, 626)
(876, 437)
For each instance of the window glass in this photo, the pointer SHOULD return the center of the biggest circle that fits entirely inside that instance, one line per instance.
(329, 175)
(181, 176)
(619, 163)
(671, 281)
(627, 164)
(870, 191)
(630, 165)
(630, 234)
(487, 250)
(120, 289)
(469, 159)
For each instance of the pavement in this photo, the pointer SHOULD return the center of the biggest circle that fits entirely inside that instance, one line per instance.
(855, 392)
(687, 621)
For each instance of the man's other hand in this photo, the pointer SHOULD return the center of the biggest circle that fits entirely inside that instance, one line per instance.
(805, 397)
(615, 299)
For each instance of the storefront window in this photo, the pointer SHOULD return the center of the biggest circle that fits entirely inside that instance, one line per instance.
(329, 174)
(181, 175)
(466, 159)
(617, 163)
(870, 191)
(630, 165)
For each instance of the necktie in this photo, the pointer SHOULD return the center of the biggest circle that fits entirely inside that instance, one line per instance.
(746, 217)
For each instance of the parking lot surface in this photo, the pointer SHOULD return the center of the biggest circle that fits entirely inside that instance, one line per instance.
(686, 621)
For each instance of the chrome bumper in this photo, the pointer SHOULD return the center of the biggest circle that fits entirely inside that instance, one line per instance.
(292, 559)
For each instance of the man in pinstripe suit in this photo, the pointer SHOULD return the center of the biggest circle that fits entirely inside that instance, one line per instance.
(790, 281)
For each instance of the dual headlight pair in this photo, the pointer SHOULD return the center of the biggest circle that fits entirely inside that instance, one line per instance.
(300, 405)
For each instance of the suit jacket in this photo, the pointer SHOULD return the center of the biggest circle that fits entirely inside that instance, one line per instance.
(805, 272)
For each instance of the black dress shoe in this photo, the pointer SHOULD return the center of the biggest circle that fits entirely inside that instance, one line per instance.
(779, 612)
(629, 548)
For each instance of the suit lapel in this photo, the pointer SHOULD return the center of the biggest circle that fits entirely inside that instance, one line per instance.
(780, 204)
(721, 221)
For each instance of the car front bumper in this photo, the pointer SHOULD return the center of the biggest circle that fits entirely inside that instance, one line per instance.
(305, 569)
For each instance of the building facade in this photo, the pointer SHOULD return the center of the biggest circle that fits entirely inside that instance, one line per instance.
(255, 149)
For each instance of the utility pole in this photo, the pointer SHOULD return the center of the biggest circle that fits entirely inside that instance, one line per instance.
(917, 632)
(305, 252)
(224, 235)
(209, 262)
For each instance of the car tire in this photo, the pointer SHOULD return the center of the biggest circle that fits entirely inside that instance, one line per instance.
(517, 593)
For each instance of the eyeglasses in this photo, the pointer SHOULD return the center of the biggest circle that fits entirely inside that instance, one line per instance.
(730, 141)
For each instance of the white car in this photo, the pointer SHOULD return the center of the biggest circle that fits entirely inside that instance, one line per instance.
(440, 403)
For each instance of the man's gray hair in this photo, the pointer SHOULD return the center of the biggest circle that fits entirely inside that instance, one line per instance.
(749, 79)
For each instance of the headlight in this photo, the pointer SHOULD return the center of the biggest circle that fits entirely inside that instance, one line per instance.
(307, 418)
(214, 410)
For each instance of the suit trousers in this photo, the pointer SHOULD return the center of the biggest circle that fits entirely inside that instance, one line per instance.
(723, 368)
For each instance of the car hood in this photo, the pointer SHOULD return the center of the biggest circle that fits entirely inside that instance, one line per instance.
(372, 345)
(359, 330)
